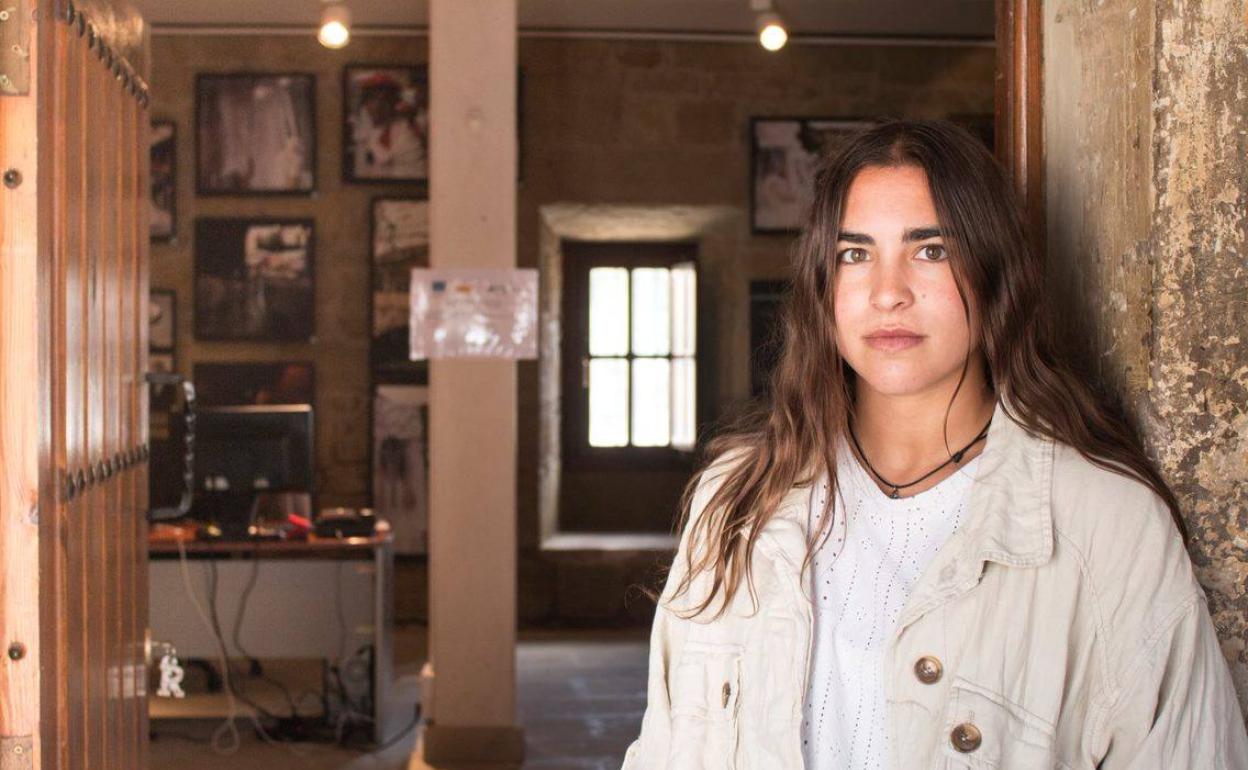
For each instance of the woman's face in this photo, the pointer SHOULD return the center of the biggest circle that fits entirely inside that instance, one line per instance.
(892, 272)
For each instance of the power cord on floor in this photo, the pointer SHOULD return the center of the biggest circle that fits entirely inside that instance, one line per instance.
(229, 727)
(288, 730)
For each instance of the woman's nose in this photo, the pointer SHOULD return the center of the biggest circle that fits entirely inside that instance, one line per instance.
(890, 286)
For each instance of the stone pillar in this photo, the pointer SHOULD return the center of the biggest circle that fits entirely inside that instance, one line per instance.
(1147, 179)
(472, 404)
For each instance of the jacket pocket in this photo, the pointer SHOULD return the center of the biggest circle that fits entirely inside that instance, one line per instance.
(704, 692)
(983, 729)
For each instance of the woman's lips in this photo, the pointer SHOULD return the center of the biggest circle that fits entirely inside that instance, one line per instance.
(894, 341)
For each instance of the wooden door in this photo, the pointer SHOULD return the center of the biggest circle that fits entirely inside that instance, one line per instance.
(73, 415)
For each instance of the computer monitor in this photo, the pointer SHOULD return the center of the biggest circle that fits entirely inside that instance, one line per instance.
(246, 455)
(251, 449)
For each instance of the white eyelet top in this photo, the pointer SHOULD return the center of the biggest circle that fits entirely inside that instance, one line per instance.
(861, 577)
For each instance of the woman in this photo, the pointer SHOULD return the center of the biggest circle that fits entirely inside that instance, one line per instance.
(934, 547)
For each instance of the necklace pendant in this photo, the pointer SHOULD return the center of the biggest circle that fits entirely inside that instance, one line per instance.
(894, 494)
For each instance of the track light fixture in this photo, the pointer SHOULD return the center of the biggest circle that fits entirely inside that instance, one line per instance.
(772, 33)
(335, 25)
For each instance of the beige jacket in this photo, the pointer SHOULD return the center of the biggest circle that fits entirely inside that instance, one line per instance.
(1060, 627)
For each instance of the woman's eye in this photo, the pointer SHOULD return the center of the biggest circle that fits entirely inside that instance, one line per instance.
(934, 252)
(842, 256)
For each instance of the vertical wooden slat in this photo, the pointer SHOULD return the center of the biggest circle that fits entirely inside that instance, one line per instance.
(54, 533)
(141, 326)
(96, 269)
(126, 374)
(75, 377)
(1019, 104)
(110, 277)
(110, 255)
(20, 431)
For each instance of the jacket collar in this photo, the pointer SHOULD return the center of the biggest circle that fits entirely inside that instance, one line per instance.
(1009, 516)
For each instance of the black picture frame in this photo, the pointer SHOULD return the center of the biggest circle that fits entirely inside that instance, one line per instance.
(225, 299)
(255, 383)
(214, 176)
(163, 195)
(766, 331)
(778, 204)
(162, 320)
(390, 274)
(163, 396)
(410, 85)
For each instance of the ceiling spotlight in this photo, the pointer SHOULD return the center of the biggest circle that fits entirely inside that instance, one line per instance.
(335, 25)
(771, 32)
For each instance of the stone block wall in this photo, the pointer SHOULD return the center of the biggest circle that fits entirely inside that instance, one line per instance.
(603, 122)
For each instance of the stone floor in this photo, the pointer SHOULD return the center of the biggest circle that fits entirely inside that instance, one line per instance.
(580, 699)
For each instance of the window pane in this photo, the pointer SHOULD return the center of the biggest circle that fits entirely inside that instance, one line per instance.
(608, 311)
(684, 310)
(651, 401)
(608, 402)
(684, 402)
(651, 311)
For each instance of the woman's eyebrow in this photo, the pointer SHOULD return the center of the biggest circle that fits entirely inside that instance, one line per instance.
(911, 234)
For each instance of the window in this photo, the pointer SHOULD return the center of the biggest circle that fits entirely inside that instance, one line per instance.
(630, 352)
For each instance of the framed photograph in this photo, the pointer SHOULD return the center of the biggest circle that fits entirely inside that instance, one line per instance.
(254, 279)
(162, 396)
(385, 132)
(785, 154)
(163, 220)
(401, 464)
(255, 383)
(162, 333)
(766, 332)
(255, 134)
(400, 242)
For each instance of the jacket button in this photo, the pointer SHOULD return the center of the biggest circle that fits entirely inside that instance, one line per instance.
(928, 669)
(727, 692)
(966, 737)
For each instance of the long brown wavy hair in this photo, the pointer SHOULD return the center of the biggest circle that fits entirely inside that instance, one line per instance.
(788, 437)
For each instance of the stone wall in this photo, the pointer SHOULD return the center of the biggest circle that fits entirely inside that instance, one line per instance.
(603, 122)
(1146, 177)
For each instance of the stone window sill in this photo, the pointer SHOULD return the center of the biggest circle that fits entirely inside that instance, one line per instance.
(610, 541)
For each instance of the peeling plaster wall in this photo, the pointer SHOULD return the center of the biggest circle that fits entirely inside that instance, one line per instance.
(1147, 170)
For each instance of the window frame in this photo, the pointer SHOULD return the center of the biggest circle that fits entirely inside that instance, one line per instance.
(579, 257)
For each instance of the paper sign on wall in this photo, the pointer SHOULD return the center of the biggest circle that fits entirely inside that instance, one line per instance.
(474, 313)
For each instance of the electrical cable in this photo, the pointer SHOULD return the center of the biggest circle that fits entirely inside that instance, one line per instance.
(209, 617)
(229, 726)
(238, 644)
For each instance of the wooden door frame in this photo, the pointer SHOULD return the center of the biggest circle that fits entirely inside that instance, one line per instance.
(1020, 105)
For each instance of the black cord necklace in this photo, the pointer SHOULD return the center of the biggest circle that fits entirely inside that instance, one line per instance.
(956, 458)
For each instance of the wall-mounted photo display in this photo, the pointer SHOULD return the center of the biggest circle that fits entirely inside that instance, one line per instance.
(255, 134)
(249, 383)
(401, 464)
(785, 154)
(162, 332)
(163, 221)
(254, 279)
(385, 133)
(162, 396)
(400, 242)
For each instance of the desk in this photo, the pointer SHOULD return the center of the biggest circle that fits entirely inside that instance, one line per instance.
(320, 598)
